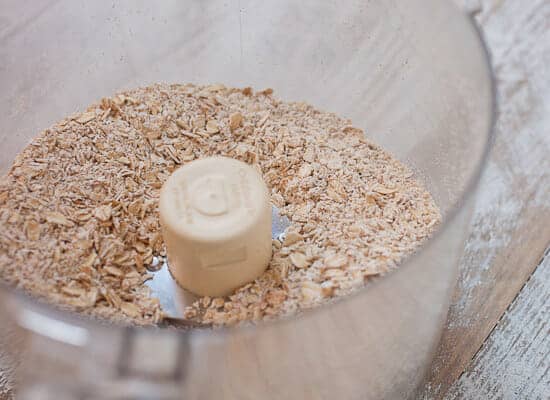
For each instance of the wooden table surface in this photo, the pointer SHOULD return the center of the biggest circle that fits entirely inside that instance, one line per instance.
(496, 344)
(497, 341)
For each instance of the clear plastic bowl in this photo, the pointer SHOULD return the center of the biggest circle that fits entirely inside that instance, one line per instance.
(414, 74)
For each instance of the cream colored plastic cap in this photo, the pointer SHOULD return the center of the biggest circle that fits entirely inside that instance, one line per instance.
(216, 222)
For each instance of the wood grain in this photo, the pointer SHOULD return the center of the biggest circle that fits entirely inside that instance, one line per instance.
(514, 362)
(8, 363)
(511, 224)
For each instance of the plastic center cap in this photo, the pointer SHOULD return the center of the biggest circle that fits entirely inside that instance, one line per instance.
(215, 216)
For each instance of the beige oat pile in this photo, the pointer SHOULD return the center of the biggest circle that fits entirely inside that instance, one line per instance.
(79, 215)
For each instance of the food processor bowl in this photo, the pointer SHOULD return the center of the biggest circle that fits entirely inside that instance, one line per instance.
(415, 75)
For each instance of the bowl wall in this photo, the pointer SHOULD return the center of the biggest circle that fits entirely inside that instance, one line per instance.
(413, 74)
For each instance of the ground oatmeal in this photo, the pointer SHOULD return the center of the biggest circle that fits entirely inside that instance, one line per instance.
(79, 215)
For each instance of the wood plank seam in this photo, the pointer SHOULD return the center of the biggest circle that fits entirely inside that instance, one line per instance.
(510, 306)
(514, 362)
(509, 231)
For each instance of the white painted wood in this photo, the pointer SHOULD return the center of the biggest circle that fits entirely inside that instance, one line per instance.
(511, 224)
(514, 362)
(7, 364)
(518, 173)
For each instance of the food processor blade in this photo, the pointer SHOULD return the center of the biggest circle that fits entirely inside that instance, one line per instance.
(173, 298)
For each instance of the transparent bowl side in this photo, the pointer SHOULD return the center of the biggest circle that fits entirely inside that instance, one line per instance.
(413, 86)
(413, 74)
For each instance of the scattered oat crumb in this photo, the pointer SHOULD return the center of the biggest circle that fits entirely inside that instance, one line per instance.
(299, 260)
(212, 127)
(291, 238)
(336, 261)
(235, 121)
